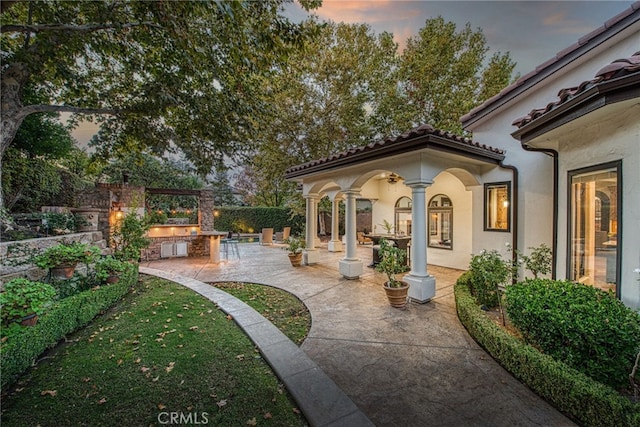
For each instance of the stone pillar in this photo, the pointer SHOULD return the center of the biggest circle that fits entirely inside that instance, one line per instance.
(311, 255)
(205, 212)
(335, 245)
(422, 284)
(350, 266)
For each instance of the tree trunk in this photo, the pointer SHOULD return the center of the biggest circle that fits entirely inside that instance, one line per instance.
(12, 110)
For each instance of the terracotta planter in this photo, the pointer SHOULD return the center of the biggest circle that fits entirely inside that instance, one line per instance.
(29, 320)
(296, 259)
(397, 296)
(64, 271)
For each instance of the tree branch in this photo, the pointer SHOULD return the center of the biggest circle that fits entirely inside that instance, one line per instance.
(12, 28)
(43, 108)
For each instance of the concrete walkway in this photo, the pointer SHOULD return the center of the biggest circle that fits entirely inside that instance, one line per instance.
(411, 367)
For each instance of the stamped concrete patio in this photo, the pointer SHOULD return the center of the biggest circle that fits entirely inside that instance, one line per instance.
(411, 367)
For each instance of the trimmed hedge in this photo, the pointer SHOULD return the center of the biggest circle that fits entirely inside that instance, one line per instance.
(571, 392)
(585, 327)
(64, 317)
(243, 219)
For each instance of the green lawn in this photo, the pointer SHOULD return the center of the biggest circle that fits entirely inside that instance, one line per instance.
(162, 352)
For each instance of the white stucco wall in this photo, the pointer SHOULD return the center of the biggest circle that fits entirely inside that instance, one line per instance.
(594, 140)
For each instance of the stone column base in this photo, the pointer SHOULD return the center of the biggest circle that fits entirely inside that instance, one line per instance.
(421, 289)
(350, 268)
(335, 246)
(310, 257)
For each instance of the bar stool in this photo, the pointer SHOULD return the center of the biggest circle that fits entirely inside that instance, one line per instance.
(229, 247)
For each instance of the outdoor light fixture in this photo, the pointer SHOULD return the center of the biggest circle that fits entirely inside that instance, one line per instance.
(393, 178)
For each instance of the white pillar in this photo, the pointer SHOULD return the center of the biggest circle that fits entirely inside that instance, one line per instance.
(311, 256)
(335, 245)
(350, 266)
(422, 284)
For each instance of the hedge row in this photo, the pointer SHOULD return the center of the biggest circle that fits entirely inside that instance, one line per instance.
(253, 219)
(573, 393)
(64, 317)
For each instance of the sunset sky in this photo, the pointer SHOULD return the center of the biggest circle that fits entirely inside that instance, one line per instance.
(532, 31)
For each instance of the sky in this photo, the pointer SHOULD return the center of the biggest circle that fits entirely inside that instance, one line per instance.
(531, 31)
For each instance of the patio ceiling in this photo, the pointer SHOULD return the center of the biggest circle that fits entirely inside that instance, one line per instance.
(421, 138)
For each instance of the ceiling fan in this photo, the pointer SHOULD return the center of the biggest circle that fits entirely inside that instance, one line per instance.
(393, 178)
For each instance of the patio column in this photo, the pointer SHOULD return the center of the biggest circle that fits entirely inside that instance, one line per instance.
(335, 245)
(422, 284)
(311, 255)
(350, 266)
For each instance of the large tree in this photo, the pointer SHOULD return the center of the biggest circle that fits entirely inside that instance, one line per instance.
(323, 101)
(155, 74)
(443, 76)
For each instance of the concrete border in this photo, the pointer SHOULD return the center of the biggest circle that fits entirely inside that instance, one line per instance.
(321, 401)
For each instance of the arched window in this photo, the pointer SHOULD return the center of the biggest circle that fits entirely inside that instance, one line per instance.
(440, 222)
(403, 216)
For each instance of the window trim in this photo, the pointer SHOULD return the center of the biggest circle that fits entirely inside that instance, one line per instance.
(486, 206)
(617, 164)
(439, 209)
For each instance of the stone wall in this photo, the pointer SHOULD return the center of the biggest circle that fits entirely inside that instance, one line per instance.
(14, 253)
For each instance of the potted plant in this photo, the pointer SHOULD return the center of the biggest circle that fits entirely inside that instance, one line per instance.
(108, 269)
(295, 245)
(23, 300)
(62, 259)
(391, 263)
(387, 226)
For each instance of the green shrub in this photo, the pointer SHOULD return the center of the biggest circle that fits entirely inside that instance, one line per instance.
(570, 391)
(583, 326)
(65, 316)
(67, 253)
(21, 297)
(243, 219)
(488, 271)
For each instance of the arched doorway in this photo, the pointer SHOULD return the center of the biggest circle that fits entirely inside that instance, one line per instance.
(403, 216)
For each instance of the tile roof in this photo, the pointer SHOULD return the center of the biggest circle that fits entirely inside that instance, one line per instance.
(613, 25)
(423, 136)
(618, 68)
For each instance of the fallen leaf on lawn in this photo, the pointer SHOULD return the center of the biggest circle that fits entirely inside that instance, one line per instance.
(112, 356)
(144, 369)
(120, 361)
(170, 367)
(161, 406)
(101, 401)
(179, 315)
(221, 403)
(268, 415)
(240, 357)
(86, 379)
(156, 378)
(48, 392)
(252, 422)
(137, 360)
(168, 320)
(229, 317)
(193, 328)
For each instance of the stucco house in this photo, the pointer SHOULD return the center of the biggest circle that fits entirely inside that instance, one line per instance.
(554, 159)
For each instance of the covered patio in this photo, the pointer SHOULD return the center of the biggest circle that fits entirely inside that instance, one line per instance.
(434, 178)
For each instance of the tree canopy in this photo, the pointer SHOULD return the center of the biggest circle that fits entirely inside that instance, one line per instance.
(163, 75)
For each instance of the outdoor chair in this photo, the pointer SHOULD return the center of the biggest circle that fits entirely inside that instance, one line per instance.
(282, 236)
(266, 237)
(362, 240)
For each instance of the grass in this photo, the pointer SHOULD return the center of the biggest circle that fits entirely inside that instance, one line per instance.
(282, 309)
(162, 352)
